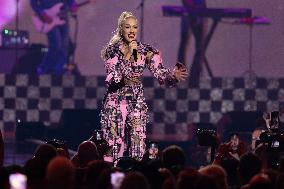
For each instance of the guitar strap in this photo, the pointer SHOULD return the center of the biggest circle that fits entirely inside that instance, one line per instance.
(39, 3)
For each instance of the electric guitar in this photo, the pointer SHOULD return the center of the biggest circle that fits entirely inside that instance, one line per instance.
(58, 17)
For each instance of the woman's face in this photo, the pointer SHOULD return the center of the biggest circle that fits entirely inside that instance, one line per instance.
(129, 29)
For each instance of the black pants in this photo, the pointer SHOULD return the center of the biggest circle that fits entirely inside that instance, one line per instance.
(192, 26)
(58, 48)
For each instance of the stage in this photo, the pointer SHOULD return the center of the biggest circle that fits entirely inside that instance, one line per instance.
(43, 98)
(175, 113)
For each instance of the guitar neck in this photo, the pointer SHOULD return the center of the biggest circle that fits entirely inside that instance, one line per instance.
(63, 13)
(83, 3)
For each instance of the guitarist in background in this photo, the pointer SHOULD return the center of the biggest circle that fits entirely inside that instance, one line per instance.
(197, 27)
(58, 38)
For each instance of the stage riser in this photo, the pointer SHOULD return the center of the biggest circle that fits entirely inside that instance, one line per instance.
(42, 98)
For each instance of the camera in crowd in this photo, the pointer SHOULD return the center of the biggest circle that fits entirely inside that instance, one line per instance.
(207, 137)
(56, 143)
(273, 138)
(100, 142)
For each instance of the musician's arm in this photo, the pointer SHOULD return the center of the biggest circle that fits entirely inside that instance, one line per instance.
(40, 11)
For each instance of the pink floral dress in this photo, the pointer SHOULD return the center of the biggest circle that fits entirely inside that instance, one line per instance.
(124, 113)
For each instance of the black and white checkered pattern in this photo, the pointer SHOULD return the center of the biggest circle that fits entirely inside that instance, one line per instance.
(42, 98)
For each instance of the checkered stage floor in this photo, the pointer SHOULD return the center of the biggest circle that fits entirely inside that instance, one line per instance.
(43, 98)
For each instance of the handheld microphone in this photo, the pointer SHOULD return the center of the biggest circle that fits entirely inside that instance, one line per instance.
(134, 53)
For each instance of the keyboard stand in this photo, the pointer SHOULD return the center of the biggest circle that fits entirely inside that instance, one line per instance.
(207, 41)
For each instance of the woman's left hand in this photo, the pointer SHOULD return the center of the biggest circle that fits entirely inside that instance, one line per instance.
(180, 73)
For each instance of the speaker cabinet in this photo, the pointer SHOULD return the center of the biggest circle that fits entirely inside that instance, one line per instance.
(29, 130)
(21, 60)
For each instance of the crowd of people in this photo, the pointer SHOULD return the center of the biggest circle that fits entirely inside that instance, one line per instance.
(51, 167)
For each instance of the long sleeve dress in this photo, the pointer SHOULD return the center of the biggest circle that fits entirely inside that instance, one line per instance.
(124, 113)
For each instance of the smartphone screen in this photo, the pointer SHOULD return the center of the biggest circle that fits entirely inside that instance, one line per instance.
(274, 119)
(116, 179)
(275, 144)
(180, 65)
(18, 181)
(98, 135)
(153, 151)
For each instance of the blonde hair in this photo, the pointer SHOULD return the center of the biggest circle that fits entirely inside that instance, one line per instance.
(117, 36)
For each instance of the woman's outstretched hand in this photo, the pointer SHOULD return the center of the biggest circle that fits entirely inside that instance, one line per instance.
(180, 72)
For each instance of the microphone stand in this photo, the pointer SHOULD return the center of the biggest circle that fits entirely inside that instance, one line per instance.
(17, 30)
(141, 6)
(15, 63)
